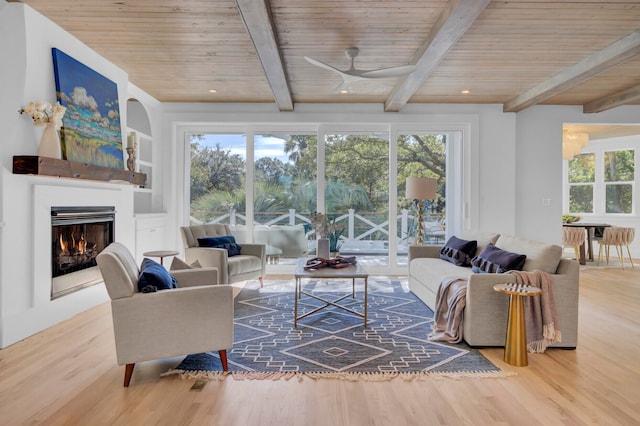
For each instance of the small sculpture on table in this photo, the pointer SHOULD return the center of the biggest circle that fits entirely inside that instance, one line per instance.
(131, 161)
(338, 262)
(132, 142)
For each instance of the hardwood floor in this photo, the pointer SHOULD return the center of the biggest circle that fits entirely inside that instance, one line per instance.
(68, 375)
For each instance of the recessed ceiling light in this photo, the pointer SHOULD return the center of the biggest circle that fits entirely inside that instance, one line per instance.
(213, 91)
(344, 91)
(465, 91)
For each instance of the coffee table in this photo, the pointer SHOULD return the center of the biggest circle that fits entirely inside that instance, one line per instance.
(353, 272)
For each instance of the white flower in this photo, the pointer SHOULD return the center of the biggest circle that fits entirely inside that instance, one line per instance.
(43, 112)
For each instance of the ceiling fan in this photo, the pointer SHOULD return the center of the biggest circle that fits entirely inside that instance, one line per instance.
(352, 74)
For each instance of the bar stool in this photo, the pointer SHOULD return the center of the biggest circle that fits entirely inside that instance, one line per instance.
(573, 237)
(617, 236)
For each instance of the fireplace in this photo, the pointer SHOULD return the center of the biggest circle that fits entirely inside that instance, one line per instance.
(78, 235)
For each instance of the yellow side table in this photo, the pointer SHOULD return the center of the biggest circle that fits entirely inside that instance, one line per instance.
(515, 347)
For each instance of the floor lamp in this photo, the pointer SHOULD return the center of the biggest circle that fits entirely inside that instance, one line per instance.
(420, 188)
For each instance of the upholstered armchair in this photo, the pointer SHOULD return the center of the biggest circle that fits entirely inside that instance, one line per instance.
(250, 263)
(196, 317)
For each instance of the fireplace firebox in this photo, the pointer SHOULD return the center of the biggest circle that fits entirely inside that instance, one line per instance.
(78, 235)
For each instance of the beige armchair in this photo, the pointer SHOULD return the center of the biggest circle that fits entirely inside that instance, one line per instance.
(194, 318)
(250, 263)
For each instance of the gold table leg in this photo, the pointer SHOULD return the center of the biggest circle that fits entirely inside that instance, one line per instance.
(515, 348)
(295, 303)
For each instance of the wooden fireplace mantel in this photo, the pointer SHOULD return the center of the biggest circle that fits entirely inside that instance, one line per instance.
(45, 166)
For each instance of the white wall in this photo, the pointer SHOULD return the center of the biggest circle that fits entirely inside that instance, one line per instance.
(490, 162)
(516, 158)
(538, 172)
(26, 39)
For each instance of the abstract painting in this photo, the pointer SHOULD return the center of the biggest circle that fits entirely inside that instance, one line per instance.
(91, 131)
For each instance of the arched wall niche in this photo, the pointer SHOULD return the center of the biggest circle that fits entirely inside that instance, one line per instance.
(137, 116)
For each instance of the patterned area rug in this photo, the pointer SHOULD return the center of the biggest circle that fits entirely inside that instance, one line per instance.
(333, 343)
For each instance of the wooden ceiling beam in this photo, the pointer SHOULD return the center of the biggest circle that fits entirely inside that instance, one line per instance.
(611, 101)
(453, 22)
(256, 16)
(612, 55)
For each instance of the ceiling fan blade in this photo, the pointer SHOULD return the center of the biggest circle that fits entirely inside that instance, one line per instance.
(323, 65)
(344, 85)
(388, 72)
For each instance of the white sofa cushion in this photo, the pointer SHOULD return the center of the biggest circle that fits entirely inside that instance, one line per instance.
(483, 238)
(540, 256)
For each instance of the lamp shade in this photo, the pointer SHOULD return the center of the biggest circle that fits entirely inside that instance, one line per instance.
(420, 188)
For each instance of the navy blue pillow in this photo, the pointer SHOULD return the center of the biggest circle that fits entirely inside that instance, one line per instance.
(232, 249)
(154, 277)
(458, 251)
(227, 242)
(495, 260)
(216, 241)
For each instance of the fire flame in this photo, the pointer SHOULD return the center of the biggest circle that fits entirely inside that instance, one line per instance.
(63, 245)
(78, 247)
(82, 244)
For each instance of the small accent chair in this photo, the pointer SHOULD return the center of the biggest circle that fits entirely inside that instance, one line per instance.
(617, 236)
(574, 238)
(250, 263)
(194, 318)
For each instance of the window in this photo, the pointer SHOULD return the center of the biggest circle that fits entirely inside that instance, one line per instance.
(619, 177)
(423, 155)
(357, 190)
(252, 176)
(581, 180)
(603, 181)
(217, 177)
(284, 186)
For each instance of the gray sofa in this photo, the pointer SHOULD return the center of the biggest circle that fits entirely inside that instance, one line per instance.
(485, 314)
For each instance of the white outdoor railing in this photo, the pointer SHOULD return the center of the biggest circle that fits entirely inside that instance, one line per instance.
(349, 221)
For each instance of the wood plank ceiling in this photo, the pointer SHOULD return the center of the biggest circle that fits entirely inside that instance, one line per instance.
(516, 53)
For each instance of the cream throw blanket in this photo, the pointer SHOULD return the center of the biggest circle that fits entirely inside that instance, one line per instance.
(541, 313)
(450, 302)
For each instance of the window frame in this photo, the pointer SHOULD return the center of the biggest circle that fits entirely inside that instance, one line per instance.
(599, 148)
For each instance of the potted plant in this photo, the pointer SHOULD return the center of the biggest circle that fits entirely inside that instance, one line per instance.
(334, 234)
(328, 235)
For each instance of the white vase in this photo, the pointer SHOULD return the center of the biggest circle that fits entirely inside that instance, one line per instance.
(50, 143)
(323, 248)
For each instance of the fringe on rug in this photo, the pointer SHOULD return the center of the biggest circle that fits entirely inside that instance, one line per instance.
(199, 374)
(353, 377)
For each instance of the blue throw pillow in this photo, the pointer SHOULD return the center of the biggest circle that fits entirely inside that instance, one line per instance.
(458, 251)
(227, 242)
(216, 241)
(495, 260)
(232, 249)
(154, 277)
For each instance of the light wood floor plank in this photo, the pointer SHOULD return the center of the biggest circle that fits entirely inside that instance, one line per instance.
(68, 375)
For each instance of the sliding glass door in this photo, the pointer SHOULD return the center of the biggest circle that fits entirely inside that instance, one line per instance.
(217, 178)
(356, 191)
(256, 179)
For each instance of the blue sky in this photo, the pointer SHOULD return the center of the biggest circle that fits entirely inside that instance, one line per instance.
(265, 146)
